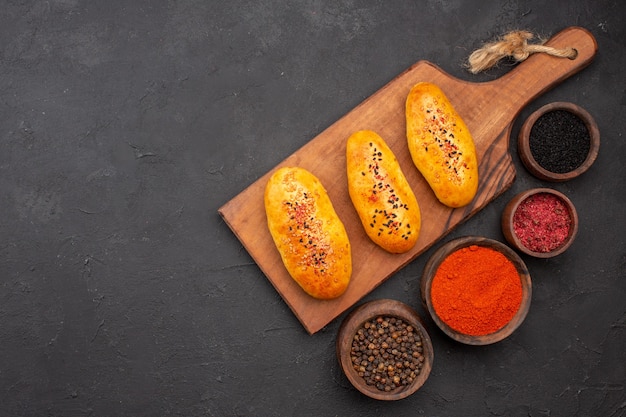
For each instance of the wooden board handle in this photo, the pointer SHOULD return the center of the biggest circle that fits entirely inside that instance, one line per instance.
(541, 71)
(496, 103)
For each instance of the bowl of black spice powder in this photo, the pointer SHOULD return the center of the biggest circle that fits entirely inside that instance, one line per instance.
(559, 142)
(384, 350)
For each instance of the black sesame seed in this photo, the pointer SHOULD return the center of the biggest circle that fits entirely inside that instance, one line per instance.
(559, 141)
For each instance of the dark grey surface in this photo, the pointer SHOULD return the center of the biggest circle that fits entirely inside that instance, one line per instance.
(124, 126)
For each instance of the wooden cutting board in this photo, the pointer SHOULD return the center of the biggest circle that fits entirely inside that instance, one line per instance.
(488, 109)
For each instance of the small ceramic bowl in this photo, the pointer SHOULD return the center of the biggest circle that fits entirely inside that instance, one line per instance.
(529, 160)
(525, 215)
(447, 249)
(369, 312)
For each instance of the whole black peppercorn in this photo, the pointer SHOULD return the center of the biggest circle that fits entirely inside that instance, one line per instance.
(393, 355)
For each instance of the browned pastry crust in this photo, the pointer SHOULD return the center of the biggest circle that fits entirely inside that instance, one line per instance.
(441, 145)
(381, 193)
(310, 237)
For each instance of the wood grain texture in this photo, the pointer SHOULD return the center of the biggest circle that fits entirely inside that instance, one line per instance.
(488, 109)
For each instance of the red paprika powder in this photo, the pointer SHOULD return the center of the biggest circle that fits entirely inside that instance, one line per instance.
(542, 222)
(476, 290)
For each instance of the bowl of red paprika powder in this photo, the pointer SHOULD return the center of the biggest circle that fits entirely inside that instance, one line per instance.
(540, 222)
(477, 290)
(558, 142)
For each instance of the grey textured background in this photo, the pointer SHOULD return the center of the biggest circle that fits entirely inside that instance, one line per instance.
(125, 125)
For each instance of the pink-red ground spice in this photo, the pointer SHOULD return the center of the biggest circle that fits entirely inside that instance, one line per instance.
(542, 222)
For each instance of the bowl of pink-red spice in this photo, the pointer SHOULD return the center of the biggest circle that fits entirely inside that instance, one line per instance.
(540, 222)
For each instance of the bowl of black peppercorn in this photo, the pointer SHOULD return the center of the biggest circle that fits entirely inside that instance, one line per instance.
(558, 142)
(384, 350)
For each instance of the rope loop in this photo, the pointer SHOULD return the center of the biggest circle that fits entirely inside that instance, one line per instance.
(513, 44)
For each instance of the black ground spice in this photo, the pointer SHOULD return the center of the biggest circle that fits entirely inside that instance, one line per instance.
(559, 141)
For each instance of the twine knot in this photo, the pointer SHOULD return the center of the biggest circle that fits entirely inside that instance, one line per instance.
(513, 44)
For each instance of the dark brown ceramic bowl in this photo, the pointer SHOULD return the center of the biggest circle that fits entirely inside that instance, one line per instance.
(370, 311)
(508, 224)
(529, 161)
(442, 253)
